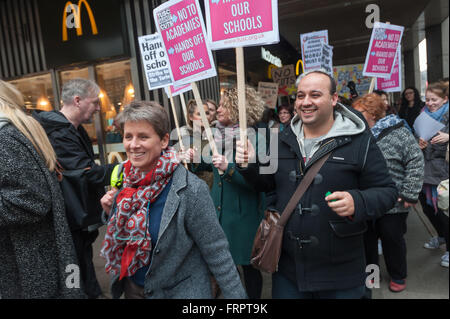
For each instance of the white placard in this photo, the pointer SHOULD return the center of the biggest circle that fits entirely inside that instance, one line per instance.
(155, 61)
(311, 45)
(327, 58)
(269, 93)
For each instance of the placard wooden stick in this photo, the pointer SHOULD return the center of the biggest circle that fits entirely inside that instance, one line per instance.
(240, 70)
(175, 117)
(183, 105)
(198, 101)
(372, 85)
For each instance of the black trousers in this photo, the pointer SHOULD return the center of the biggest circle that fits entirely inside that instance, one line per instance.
(439, 220)
(253, 281)
(391, 230)
(83, 241)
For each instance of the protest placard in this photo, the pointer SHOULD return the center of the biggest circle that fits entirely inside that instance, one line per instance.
(327, 58)
(382, 51)
(240, 23)
(285, 77)
(269, 93)
(177, 90)
(312, 49)
(394, 83)
(180, 23)
(155, 61)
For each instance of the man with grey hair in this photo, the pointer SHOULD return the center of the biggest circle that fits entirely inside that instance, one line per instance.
(75, 154)
(322, 252)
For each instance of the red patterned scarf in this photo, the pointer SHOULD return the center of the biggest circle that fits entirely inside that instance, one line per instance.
(127, 245)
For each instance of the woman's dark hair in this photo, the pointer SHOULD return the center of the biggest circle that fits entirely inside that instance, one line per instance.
(410, 113)
(149, 111)
(288, 108)
(417, 100)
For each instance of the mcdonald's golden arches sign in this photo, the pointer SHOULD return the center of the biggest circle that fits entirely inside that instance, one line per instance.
(80, 31)
(76, 12)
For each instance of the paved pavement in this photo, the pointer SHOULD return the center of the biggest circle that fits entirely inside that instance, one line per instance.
(427, 279)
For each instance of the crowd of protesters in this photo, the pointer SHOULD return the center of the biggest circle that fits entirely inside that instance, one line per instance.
(175, 231)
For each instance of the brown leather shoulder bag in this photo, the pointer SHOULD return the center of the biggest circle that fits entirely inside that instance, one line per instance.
(269, 236)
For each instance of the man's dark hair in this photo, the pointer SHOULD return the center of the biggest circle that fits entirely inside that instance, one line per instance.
(320, 71)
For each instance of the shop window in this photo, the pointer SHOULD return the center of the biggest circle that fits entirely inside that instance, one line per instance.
(227, 79)
(37, 92)
(117, 91)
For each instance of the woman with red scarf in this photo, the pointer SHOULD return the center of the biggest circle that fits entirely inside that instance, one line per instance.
(163, 238)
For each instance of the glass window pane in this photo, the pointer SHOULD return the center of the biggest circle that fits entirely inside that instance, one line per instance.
(37, 92)
(117, 91)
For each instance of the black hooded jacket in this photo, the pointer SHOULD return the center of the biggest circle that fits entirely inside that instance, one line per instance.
(74, 152)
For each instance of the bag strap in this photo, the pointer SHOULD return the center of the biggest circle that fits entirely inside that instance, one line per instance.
(301, 189)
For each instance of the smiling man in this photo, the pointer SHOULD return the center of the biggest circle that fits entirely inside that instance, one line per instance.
(74, 151)
(323, 250)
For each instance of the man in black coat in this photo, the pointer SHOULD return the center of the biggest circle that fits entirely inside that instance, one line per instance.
(74, 151)
(323, 250)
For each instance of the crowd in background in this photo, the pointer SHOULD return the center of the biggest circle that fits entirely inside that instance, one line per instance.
(165, 238)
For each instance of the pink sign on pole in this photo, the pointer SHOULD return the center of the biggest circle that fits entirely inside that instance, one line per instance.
(383, 45)
(393, 84)
(180, 23)
(177, 90)
(240, 23)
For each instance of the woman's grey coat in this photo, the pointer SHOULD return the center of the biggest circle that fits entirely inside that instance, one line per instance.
(190, 245)
(35, 242)
(405, 162)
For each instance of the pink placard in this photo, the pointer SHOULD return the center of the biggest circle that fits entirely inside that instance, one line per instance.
(392, 84)
(383, 46)
(177, 90)
(182, 29)
(240, 18)
(233, 23)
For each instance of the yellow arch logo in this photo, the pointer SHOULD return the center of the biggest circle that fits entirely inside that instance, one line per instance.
(297, 68)
(269, 71)
(77, 15)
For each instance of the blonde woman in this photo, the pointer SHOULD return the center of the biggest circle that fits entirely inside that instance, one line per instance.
(35, 244)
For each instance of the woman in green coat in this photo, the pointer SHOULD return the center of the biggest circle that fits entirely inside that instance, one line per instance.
(239, 207)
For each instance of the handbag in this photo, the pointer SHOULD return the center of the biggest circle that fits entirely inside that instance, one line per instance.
(266, 249)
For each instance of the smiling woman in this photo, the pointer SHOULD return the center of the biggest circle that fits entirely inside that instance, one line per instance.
(436, 169)
(146, 133)
(162, 205)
